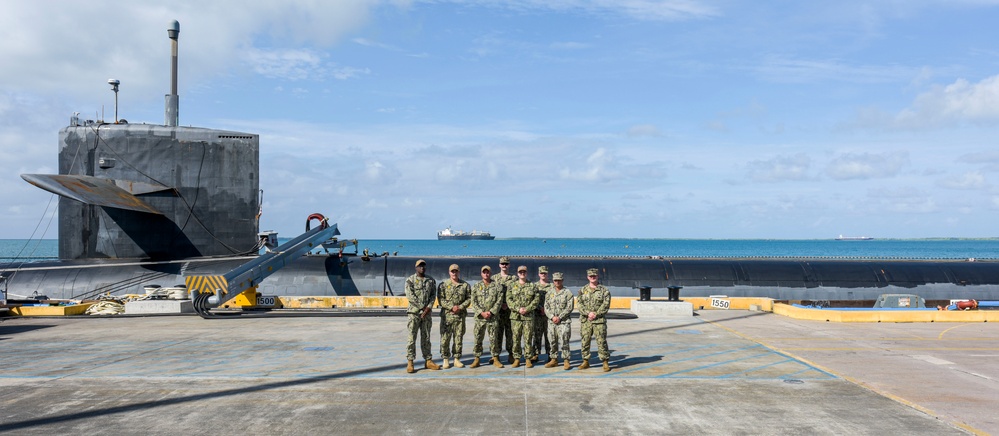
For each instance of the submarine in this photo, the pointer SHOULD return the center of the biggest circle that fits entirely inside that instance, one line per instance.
(145, 205)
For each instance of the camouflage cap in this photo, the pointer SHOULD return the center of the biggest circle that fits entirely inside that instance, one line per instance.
(557, 276)
(454, 267)
(521, 268)
(421, 262)
(542, 269)
(504, 259)
(592, 272)
(486, 268)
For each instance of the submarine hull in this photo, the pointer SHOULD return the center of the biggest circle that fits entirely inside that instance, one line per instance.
(333, 275)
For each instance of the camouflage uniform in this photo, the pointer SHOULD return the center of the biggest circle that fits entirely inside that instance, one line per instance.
(559, 303)
(596, 301)
(487, 298)
(522, 295)
(541, 320)
(450, 294)
(421, 293)
(506, 330)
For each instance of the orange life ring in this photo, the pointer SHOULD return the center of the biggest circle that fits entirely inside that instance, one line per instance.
(318, 216)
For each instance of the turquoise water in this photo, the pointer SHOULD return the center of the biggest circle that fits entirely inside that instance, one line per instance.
(823, 248)
(23, 249)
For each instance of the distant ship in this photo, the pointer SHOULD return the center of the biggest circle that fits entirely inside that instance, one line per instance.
(854, 238)
(464, 236)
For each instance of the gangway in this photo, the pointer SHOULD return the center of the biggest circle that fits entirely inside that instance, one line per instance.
(238, 287)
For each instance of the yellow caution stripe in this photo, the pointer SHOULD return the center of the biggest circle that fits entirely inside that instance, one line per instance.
(206, 284)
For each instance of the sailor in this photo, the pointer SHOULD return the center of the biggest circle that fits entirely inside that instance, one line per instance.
(558, 307)
(594, 302)
(421, 293)
(487, 298)
(522, 300)
(453, 296)
(540, 319)
(505, 279)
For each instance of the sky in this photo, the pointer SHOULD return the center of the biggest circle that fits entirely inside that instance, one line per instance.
(542, 118)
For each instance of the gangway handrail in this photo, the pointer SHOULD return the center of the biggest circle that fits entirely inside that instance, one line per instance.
(250, 274)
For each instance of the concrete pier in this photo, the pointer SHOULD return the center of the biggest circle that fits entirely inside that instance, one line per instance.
(719, 372)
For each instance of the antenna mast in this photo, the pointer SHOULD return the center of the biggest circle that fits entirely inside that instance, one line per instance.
(172, 99)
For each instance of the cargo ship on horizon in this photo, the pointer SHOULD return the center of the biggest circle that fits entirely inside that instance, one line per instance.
(854, 238)
(474, 235)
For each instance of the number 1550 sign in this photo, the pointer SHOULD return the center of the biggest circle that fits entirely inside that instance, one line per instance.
(719, 303)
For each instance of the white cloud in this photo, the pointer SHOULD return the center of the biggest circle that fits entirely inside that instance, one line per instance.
(901, 200)
(866, 165)
(369, 43)
(780, 168)
(961, 101)
(293, 64)
(967, 181)
(375, 204)
(646, 10)
(985, 157)
(373, 170)
(953, 105)
(297, 64)
(344, 73)
(52, 55)
(597, 169)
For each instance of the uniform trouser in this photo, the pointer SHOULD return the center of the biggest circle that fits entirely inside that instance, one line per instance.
(479, 331)
(558, 336)
(541, 335)
(523, 337)
(589, 329)
(421, 327)
(506, 330)
(452, 336)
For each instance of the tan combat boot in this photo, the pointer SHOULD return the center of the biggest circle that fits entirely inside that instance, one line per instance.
(458, 364)
(409, 367)
(606, 366)
(475, 363)
(530, 363)
(497, 363)
(431, 365)
(567, 366)
(585, 364)
(516, 363)
(447, 363)
(551, 363)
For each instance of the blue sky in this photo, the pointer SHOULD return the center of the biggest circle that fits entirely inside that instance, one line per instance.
(557, 118)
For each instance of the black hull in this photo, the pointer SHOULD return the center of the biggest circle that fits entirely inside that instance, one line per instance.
(322, 275)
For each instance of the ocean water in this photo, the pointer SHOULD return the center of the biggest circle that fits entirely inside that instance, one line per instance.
(20, 249)
(28, 250)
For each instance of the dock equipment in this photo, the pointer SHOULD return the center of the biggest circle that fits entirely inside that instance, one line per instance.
(237, 289)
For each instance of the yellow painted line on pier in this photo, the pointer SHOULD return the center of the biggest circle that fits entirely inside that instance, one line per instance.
(941, 336)
(857, 382)
(884, 338)
(893, 348)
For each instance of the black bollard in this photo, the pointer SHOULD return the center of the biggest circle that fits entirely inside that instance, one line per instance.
(674, 292)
